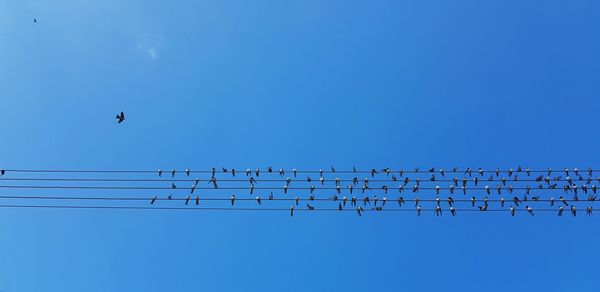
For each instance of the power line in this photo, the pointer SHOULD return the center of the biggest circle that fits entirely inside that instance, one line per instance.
(482, 181)
(265, 199)
(258, 209)
(248, 188)
(379, 171)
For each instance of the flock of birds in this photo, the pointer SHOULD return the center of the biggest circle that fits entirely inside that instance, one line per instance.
(477, 188)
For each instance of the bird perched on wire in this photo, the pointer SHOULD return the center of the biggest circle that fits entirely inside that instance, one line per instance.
(292, 211)
(120, 118)
(573, 210)
(529, 210)
(310, 207)
(560, 210)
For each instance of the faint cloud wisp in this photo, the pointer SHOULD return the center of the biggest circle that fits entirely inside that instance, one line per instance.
(149, 45)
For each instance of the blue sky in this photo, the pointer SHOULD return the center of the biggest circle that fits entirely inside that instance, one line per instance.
(296, 84)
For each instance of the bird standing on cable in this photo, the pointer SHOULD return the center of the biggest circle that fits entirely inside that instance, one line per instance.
(512, 211)
(588, 210)
(359, 209)
(309, 207)
(291, 211)
(573, 210)
(418, 210)
(438, 211)
(560, 210)
(187, 199)
(401, 201)
(258, 200)
(120, 118)
(529, 210)
(452, 211)
(232, 199)
(153, 200)
(562, 199)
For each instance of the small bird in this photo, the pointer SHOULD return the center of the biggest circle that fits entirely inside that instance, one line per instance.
(120, 117)
(159, 172)
(453, 211)
(197, 200)
(573, 210)
(34, 20)
(552, 202)
(340, 206)
(187, 200)
(418, 210)
(173, 173)
(438, 211)
(258, 200)
(562, 199)
(309, 207)
(2, 171)
(529, 210)
(173, 186)
(512, 211)
(401, 201)
(232, 198)
(450, 201)
(560, 210)
(588, 210)
(153, 200)
(292, 211)
(187, 172)
(502, 202)
(359, 209)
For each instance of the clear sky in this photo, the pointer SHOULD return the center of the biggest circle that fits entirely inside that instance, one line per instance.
(297, 84)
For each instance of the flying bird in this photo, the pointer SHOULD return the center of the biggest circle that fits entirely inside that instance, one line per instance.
(120, 117)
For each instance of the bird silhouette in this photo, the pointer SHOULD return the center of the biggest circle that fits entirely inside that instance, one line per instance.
(120, 118)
